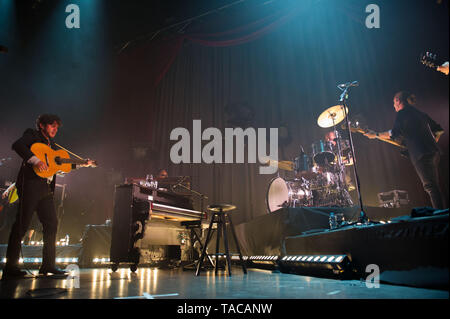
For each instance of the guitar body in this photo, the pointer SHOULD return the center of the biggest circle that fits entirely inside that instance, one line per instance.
(51, 158)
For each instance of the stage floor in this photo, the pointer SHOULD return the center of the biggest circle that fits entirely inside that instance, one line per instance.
(102, 283)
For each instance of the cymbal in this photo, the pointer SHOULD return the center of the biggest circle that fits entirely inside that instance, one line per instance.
(221, 207)
(331, 116)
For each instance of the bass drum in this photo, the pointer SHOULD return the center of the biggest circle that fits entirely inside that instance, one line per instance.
(291, 193)
(277, 194)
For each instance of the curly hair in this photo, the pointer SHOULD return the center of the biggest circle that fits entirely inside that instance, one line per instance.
(406, 97)
(45, 119)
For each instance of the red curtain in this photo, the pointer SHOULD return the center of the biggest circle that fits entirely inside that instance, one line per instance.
(156, 57)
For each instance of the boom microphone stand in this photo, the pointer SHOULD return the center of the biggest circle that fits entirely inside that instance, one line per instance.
(343, 99)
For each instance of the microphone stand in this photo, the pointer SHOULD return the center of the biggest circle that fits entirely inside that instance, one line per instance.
(343, 99)
(202, 196)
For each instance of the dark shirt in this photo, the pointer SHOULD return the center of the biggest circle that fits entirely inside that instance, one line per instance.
(417, 130)
(22, 147)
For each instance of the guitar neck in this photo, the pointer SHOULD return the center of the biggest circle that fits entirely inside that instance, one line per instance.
(387, 140)
(71, 161)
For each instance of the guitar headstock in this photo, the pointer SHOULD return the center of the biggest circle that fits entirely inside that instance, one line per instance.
(356, 126)
(91, 163)
(86, 162)
(430, 60)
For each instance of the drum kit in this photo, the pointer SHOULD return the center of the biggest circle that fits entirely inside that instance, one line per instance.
(321, 177)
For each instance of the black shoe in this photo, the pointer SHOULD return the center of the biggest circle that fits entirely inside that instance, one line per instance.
(13, 273)
(52, 272)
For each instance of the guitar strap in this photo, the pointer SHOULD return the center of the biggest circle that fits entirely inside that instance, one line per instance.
(79, 157)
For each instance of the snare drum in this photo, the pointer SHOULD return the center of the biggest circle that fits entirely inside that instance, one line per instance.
(323, 153)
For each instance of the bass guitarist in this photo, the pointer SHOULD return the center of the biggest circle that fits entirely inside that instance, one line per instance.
(35, 194)
(420, 134)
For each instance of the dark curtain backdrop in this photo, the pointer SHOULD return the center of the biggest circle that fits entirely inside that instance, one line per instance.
(289, 77)
(280, 59)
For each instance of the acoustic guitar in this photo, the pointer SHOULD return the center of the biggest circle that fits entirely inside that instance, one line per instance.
(57, 161)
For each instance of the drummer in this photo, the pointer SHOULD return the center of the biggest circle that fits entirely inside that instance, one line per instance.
(331, 137)
(345, 147)
(347, 158)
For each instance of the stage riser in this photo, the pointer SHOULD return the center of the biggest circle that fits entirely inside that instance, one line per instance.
(264, 235)
(397, 249)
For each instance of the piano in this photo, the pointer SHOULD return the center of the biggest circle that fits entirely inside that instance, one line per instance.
(145, 217)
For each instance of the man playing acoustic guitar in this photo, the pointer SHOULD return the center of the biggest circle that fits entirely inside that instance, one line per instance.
(420, 135)
(35, 194)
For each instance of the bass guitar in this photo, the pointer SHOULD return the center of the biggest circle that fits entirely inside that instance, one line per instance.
(57, 161)
(358, 129)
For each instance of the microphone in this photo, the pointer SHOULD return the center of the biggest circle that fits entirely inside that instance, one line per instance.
(348, 84)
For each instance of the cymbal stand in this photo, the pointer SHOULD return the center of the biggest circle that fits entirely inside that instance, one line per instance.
(338, 143)
(343, 99)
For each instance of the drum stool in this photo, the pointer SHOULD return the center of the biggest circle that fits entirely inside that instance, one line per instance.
(221, 216)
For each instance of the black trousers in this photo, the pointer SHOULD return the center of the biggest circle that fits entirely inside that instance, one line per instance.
(34, 196)
(427, 167)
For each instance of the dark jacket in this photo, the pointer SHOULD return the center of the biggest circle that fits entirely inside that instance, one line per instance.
(417, 130)
(22, 147)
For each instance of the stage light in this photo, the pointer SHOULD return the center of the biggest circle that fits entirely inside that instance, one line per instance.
(268, 262)
(316, 265)
(236, 258)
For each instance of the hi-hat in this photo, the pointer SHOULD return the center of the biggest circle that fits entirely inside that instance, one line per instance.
(332, 116)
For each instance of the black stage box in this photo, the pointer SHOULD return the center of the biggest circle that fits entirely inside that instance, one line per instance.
(265, 234)
(409, 251)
